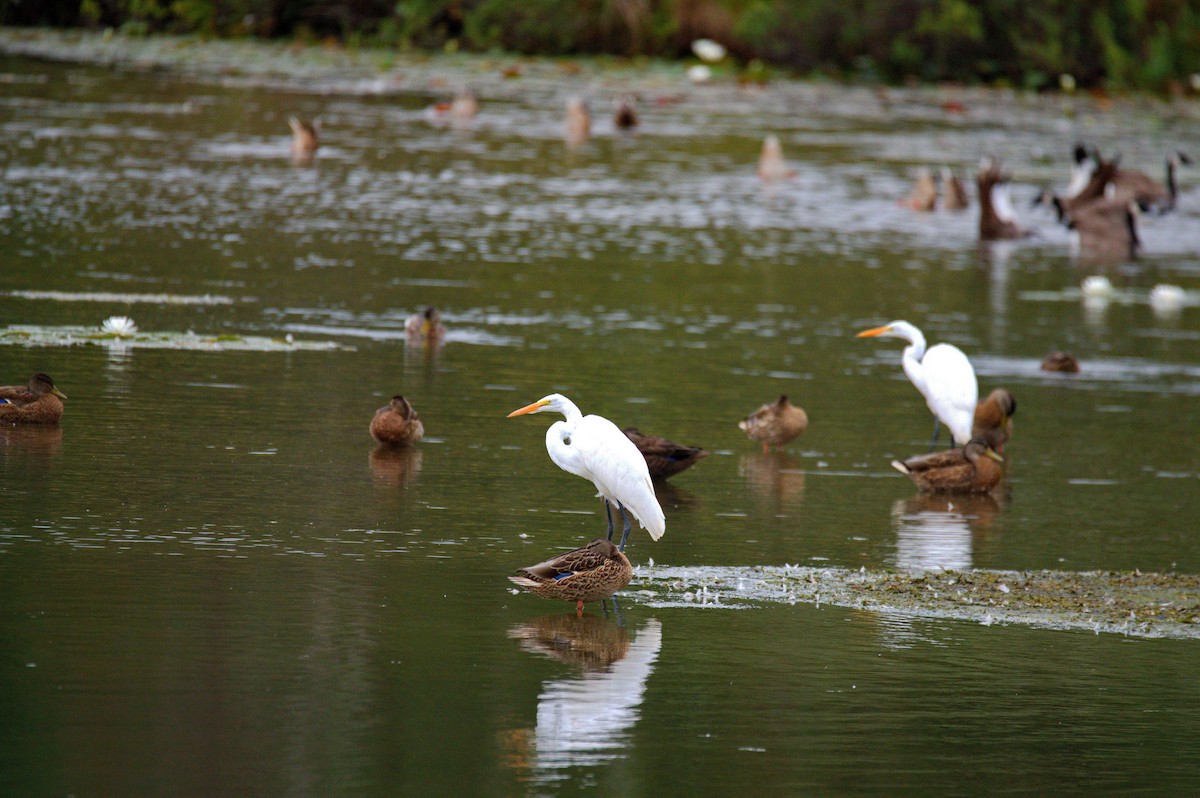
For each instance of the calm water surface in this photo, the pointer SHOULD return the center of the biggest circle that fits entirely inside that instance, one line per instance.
(212, 584)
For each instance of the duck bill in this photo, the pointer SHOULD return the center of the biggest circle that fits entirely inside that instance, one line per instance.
(58, 393)
(873, 332)
(992, 453)
(533, 408)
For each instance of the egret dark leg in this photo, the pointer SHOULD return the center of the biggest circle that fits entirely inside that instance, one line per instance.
(617, 612)
(608, 514)
(625, 534)
(937, 427)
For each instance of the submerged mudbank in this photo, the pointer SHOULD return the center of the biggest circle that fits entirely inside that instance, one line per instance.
(1144, 605)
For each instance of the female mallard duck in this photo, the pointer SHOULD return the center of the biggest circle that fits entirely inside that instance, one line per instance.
(592, 573)
(993, 419)
(775, 423)
(924, 194)
(397, 424)
(39, 402)
(1060, 361)
(426, 325)
(579, 121)
(771, 165)
(954, 196)
(664, 458)
(975, 468)
(305, 139)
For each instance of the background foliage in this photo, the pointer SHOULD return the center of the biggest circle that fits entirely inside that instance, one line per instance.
(1153, 44)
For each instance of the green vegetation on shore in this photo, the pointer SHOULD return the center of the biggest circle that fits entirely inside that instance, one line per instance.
(1118, 44)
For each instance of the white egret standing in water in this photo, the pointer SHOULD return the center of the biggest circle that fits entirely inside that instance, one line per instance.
(594, 448)
(943, 375)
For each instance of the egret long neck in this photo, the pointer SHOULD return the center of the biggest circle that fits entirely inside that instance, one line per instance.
(565, 406)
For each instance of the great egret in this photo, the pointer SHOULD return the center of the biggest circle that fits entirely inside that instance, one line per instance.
(592, 573)
(663, 457)
(973, 469)
(594, 448)
(397, 424)
(39, 402)
(943, 375)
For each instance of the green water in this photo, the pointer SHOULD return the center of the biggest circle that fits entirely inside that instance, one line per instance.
(212, 584)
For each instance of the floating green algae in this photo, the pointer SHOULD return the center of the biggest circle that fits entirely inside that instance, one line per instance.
(224, 342)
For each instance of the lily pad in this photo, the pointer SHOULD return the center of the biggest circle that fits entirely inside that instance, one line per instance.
(111, 296)
(224, 342)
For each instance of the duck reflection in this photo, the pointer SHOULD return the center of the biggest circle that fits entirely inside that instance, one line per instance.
(935, 531)
(776, 476)
(31, 440)
(584, 719)
(395, 467)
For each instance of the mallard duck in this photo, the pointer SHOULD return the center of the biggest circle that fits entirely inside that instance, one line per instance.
(397, 424)
(464, 106)
(1060, 361)
(924, 194)
(775, 423)
(305, 139)
(993, 419)
(591, 573)
(625, 114)
(39, 402)
(426, 325)
(664, 458)
(579, 121)
(975, 468)
(997, 219)
(771, 165)
(954, 196)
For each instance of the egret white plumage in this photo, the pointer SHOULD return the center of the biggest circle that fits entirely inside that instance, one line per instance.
(594, 448)
(942, 374)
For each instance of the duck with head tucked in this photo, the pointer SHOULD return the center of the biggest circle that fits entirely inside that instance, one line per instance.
(975, 468)
(397, 424)
(38, 402)
(775, 423)
(592, 573)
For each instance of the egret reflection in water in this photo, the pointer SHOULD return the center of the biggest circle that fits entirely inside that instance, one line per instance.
(934, 532)
(585, 719)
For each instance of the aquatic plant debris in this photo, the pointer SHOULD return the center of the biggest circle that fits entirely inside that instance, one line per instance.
(21, 335)
(1136, 604)
(111, 296)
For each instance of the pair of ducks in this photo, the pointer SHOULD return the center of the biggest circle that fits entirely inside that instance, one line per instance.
(38, 402)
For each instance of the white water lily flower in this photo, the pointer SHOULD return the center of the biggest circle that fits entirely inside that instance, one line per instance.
(699, 73)
(1097, 285)
(119, 326)
(1164, 297)
(708, 50)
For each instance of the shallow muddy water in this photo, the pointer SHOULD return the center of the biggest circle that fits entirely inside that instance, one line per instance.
(213, 583)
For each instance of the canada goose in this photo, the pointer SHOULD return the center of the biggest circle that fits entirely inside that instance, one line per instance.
(997, 219)
(1105, 228)
(1130, 184)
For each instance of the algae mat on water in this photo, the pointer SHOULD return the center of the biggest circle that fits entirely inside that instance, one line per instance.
(1144, 605)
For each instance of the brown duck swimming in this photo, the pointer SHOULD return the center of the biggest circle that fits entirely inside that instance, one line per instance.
(305, 140)
(975, 468)
(1060, 361)
(664, 458)
(397, 424)
(993, 419)
(39, 402)
(591, 573)
(775, 423)
(426, 325)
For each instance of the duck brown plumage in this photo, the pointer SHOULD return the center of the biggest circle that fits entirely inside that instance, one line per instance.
(993, 419)
(1060, 361)
(592, 573)
(664, 458)
(38, 402)
(775, 423)
(397, 424)
(995, 219)
(975, 468)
